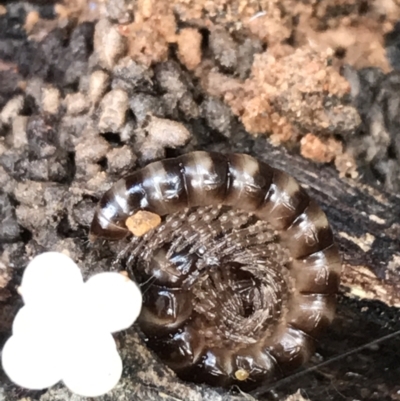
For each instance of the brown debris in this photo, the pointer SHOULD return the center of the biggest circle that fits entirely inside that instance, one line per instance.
(360, 45)
(189, 47)
(318, 150)
(269, 26)
(283, 93)
(346, 165)
(256, 115)
(153, 29)
(142, 222)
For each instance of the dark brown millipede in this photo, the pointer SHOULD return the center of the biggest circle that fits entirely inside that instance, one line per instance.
(243, 267)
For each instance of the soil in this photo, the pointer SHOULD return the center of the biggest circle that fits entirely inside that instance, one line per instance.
(88, 90)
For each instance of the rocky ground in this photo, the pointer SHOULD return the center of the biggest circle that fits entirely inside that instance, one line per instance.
(89, 88)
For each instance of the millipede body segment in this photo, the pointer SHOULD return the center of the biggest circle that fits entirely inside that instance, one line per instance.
(241, 274)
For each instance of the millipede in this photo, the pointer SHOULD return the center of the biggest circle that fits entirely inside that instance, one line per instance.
(240, 271)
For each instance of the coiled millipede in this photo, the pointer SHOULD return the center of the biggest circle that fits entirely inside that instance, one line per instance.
(242, 264)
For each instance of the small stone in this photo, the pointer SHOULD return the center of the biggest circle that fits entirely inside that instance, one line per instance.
(56, 168)
(50, 100)
(84, 83)
(167, 133)
(189, 47)
(127, 131)
(32, 218)
(92, 149)
(120, 160)
(85, 170)
(82, 213)
(11, 110)
(114, 107)
(224, 49)
(19, 131)
(246, 53)
(188, 106)
(80, 45)
(143, 104)
(132, 77)
(99, 82)
(346, 165)
(14, 162)
(108, 43)
(76, 103)
(30, 193)
(161, 134)
(170, 78)
(98, 184)
(218, 115)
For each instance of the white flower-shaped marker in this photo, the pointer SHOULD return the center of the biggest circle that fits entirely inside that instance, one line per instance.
(64, 330)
